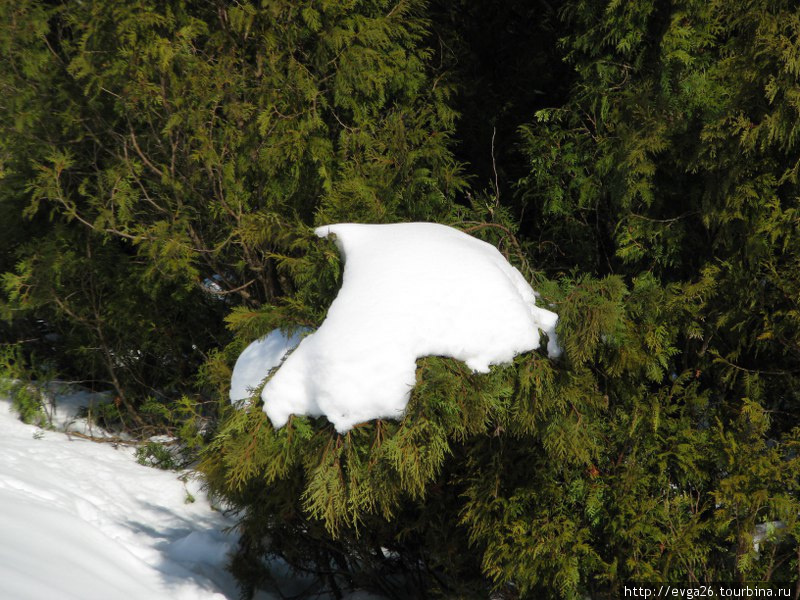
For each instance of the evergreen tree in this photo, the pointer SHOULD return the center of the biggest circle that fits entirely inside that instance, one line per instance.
(667, 433)
(674, 162)
(163, 164)
(174, 155)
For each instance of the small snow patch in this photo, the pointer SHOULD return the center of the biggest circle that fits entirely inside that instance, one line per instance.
(258, 359)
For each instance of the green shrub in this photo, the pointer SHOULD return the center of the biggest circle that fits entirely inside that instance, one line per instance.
(155, 454)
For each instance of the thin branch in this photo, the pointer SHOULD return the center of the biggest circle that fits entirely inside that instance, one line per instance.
(672, 220)
(494, 168)
(141, 154)
(103, 440)
(237, 290)
(724, 360)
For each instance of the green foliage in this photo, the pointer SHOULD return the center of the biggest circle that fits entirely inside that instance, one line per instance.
(154, 454)
(169, 160)
(29, 388)
(660, 213)
(163, 164)
(671, 168)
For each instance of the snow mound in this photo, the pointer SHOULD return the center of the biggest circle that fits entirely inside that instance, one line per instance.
(409, 290)
(258, 359)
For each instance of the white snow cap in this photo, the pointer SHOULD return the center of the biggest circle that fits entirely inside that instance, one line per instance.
(409, 290)
(258, 359)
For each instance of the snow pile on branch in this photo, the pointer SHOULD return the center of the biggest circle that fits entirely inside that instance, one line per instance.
(409, 290)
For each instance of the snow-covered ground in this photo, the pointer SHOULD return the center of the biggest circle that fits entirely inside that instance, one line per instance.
(84, 520)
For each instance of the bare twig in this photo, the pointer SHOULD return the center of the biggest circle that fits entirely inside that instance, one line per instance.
(494, 168)
(103, 440)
